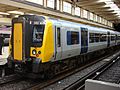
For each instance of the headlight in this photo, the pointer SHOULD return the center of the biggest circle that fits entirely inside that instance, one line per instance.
(34, 52)
(39, 52)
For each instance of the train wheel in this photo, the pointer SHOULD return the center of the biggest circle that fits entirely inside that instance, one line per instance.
(57, 69)
(48, 74)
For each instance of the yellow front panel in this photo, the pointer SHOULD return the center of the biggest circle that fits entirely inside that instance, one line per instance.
(10, 47)
(17, 41)
(37, 50)
(47, 49)
(48, 43)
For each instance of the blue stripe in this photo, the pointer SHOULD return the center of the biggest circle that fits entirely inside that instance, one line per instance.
(68, 38)
(78, 38)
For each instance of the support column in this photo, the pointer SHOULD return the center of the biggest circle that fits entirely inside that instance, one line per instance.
(55, 5)
(61, 5)
(73, 10)
(81, 12)
(94, 17)
(88, 15)
(45, 3)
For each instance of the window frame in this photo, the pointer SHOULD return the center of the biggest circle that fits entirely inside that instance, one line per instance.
(58, 37)
(71, 40)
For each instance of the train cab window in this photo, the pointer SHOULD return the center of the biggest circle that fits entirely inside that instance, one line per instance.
(38, 31)
(58, 37)
(72, 37)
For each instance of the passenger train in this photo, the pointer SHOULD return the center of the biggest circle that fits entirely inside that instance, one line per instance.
(42, 46)
(6, 32)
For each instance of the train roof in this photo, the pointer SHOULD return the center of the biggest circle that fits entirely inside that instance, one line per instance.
(78, 25)
(69, 23)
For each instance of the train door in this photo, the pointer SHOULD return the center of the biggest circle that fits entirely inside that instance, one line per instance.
(17, 39)
(84, 40)
(108, 41)
(116, 39)
(58, 49)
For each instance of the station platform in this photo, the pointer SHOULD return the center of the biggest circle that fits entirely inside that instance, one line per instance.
(3, 57)
(100, 85)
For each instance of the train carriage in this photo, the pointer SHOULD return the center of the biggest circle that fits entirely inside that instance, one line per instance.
(41, 45)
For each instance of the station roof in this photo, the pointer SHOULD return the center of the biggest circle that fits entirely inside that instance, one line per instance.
(109, 9)
(102, 8)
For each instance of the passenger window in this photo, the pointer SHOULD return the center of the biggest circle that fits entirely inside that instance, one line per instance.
(103, 37)
(58, 37)
(97, 37)
(118, 37)
(72, 37)
(112, 37)
(91, 37)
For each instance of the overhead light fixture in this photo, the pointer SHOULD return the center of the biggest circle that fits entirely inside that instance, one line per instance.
(109, 2)
(117, 11)
(16, 16)
(3, 13)
(30, 13)
(16, 12)
(119, 17)
(104, 0)
(112, 5)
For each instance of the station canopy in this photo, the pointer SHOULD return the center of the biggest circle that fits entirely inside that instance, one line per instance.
(109, 9)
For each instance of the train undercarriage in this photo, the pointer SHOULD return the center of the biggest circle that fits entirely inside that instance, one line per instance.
(31, 69)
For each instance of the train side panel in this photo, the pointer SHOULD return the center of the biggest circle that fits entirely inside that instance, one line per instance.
(96, 44)
(70, 47)
(48, 43)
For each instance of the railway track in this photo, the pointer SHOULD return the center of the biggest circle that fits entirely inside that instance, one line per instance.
(8, 79)
(80, 84)
(33, 85)
(45, 84)
(17, 83)
(26, 84)
(54, 85)
(111, 73)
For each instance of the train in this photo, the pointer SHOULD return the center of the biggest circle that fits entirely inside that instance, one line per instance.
(6, 32)
(43, 46)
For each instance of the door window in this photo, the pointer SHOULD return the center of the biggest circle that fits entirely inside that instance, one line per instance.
(58, 37)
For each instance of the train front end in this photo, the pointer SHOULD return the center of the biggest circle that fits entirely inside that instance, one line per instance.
(30, 40)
